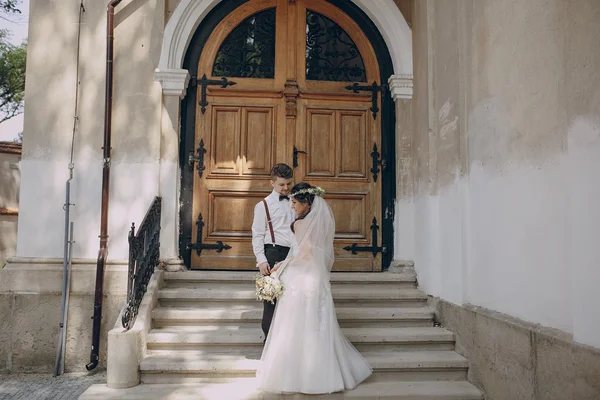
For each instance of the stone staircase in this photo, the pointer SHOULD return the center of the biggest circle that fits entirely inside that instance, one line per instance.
(206, 340)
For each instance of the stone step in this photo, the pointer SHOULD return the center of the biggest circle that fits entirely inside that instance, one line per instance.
(365, 339)
(203, 278)
(348, 315)
(192, 366)
(366, 294)
(245, 389)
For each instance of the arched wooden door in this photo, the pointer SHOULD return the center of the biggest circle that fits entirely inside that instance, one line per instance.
(274, 86)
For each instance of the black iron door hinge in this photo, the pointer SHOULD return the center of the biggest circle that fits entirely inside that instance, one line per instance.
(199, 246)
(373, 248)
(374, 89)
(377, 161)
(203, 83)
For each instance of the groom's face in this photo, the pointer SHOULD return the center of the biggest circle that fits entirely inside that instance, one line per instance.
(282, 185)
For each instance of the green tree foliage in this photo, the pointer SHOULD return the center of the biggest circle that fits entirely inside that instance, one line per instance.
(12, 77)
(10, 6)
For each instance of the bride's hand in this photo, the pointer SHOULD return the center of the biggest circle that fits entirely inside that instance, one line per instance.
(276, 267)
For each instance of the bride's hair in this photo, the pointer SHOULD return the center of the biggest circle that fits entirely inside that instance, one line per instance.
(303, 198)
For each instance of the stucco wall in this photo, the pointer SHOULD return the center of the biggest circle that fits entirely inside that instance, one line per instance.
(30, 285)
(507, 150)
(48, 126)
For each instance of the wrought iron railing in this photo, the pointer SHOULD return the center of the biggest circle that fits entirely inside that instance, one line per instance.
(143, 259)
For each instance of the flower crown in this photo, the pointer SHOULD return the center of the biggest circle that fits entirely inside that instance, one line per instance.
(317, 191)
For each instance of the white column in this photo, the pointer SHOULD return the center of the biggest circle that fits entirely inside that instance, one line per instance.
(174, 84)
(401, 88)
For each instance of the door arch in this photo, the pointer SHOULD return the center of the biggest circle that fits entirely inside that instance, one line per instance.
(291, 108)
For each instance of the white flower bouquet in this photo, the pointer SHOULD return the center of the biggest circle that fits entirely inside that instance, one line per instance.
(268, 288)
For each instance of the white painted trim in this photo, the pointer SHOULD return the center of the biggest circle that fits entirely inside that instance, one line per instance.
(395, 31)
(384, 13)
(174, 81)
(401, 87)
(179, 31)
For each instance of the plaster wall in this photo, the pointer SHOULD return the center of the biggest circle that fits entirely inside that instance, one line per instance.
(506, 158)
(49, 116)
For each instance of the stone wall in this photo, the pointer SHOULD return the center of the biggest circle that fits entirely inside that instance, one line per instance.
(516, 360)
(30, 307)
(10, 179)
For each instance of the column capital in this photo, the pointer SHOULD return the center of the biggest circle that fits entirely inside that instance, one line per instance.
(174, 81)
(401, 86)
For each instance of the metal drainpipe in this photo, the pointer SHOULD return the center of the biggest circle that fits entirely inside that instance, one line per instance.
(103, 252)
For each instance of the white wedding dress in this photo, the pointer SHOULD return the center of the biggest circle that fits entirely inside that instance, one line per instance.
(306, 351)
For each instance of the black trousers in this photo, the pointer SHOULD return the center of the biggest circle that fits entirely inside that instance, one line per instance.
(274, 255)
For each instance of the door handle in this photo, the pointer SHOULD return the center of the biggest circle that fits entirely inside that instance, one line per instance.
(296, 152)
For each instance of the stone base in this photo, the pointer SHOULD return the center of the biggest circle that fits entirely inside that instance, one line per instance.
(30, 297)
(517, 360)
(127, 348)
(402, 267)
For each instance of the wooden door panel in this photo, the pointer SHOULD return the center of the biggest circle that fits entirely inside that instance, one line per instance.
(349, 211)
(225, 139)
(321, 142)
(337, 140)
(352, 139)
(231, 214)
(257, 140)
(354, 197)
(240, 137)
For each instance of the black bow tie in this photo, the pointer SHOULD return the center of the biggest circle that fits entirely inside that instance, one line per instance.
(282, 197)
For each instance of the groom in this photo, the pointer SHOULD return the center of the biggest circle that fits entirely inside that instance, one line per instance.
(271, 233)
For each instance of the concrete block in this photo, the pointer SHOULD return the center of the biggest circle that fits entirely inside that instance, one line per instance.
(507, 351)
(79, 332)
(127, 348)
(5, 332)
(517, 360)
(34, 326)
(586, 373)
(461, 321)
(555, 369)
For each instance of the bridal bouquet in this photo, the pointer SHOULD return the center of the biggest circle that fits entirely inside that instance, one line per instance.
(268, 288)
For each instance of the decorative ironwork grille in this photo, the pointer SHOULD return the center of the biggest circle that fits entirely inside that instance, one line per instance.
(249, 50)
(331, 55)
(143, 259)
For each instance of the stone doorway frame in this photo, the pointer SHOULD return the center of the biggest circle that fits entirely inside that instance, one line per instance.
(174, 80)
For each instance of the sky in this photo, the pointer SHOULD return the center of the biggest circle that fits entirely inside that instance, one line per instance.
(17, 25)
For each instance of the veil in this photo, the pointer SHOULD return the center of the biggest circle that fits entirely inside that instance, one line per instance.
(305, 350)
(314, 234)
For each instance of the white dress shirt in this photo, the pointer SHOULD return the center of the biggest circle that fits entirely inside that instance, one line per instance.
(282, 217)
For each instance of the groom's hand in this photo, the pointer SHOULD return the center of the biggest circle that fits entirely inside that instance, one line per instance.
(264, 268)
(276, 267)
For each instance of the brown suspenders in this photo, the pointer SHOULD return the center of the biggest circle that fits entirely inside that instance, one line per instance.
(269, 221)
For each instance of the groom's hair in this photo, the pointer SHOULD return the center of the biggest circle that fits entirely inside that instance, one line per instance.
(281, 171)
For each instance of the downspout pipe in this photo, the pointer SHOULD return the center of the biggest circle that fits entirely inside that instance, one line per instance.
(103, 251)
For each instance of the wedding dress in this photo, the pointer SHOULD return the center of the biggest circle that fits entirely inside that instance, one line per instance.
(306, 351)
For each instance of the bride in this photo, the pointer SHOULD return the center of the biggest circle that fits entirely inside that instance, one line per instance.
(306, 351)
